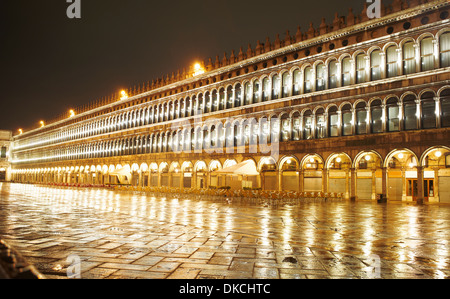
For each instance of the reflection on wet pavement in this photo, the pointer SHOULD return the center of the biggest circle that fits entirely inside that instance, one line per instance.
(124, 235)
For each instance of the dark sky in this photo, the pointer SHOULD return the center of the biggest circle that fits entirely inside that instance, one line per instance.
(50, 63)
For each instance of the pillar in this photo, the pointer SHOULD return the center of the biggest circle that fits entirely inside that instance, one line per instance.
(384, 176)
(420, 184)
(353, 184)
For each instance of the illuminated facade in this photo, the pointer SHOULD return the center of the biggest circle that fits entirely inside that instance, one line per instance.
(5, 165)
(359, 107)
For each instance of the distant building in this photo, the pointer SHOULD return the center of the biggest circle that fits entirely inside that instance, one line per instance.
(5, 146)
(359, 107)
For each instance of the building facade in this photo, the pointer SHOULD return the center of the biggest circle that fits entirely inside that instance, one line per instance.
(359, 107)
(5, 165)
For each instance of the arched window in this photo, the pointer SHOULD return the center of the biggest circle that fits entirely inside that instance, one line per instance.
(428, 106)
(376, 112)
(320, 77)
(238, 95)
(221, 99)
(393, 111)
(346, 71)
(285, 85)
(320, 123)
(275, 87)
(409, 58)
(285, 128)
(308, 82)
(391, 62)
(333, 122)
(444, 42)
(347, 120)
(375, 65)
(410, 112)
(207, 102)
(307, 125)
(229, 97)
(296, 83)
(256, 91)
(361, 118)
(266, 89)
(445, 108)
(247, 94)
(215, 101)
(296, 126)
(361, 68)
(332, 74)
(427, 54)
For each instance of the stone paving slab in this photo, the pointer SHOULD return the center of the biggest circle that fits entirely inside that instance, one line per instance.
(131, 236)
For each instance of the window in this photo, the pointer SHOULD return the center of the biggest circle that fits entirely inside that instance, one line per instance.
(444, 42)
(333, 122)
(361, 68)
(375, 65)
(307, 125)
(296, 126)
(347, 120)
(409, 59)
(275, 87)
(266, 89)
(308, 80)
(229, 97)
(256, 92)
(238, 95)
(393, 115)
(361, 118)
(221, 99)
(426, 54)
(320, 123)
(346, 71)
(296, 83)
(445, 108)
(377, 116)
(410, 110)
(285, 128)
(3, 152)
(285, 84)
(320, 77)
(332, 74)
(428, 111)
(247, 93)
(391, 62)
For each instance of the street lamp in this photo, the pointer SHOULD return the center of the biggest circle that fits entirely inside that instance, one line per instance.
(71, 113)
(198, 69)
(20, 131)
(124, 95)
(42, 123)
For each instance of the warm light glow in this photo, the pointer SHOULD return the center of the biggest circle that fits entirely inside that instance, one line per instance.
(367, 158)
(438, 154)
(400, 156)
(198, 69)
(20, 131)
(71, 113)
(42, 123)
(411, 165)
(311, 160)
(124, 95)
(338, 160)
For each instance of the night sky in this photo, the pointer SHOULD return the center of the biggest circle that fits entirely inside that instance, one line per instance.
(50, 63)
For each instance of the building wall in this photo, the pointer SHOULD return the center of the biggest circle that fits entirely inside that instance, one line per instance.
(361, 108)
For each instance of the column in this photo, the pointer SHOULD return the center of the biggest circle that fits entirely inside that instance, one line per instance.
(325, 180)
(374, 188)
(353, 184)
(420, 184)
(384, 176)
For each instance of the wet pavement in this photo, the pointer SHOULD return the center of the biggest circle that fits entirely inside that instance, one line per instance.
(124, 235)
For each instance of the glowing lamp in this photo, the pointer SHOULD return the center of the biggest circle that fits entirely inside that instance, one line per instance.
(123, 95)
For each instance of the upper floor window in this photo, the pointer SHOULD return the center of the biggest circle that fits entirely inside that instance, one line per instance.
(346, 71)
(375, 65)
(308, 80)
(444, 42)
(409, 58)
(427, 54)
(332, 74)
(361, 68)
(391, 62)
(320, 77)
